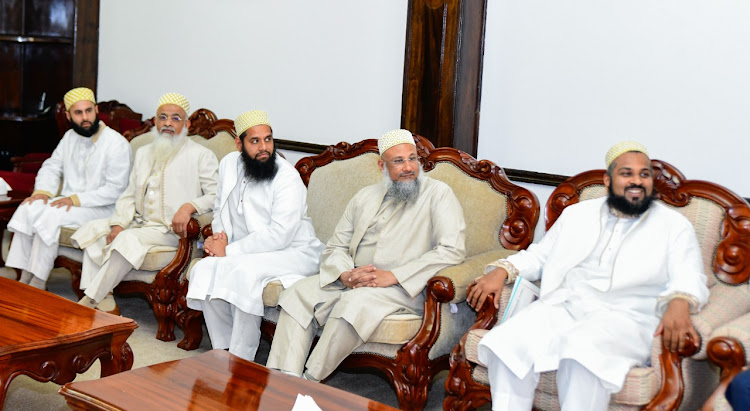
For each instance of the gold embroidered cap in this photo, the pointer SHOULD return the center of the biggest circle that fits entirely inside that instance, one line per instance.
(394, 138)
(177, 99)
(621, 148)
(78, 94)
(250, 119)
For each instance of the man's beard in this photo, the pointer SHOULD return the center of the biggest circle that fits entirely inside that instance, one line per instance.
(165, 145)
(257, 170)
(402, 191)
(623, 205)
(84, 132)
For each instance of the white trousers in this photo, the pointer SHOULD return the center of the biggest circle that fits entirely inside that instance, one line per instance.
(577, 387)
(105, 277)
(292, 341)
(230, 327)
(36, 229)
(105, 265)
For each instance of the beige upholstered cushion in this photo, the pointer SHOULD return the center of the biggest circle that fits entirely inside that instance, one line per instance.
(333, 185)
(65, 234)
(485, 209)
(140, 141)
(271, 293)
(221, 144)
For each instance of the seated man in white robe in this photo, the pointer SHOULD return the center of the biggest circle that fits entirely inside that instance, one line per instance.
(393, 237)
(615, 271)
(172, 178)
(93, 162)
(261, 234)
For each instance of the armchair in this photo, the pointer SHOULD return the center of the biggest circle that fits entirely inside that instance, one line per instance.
(673, 380)
(409, 350)
(159, 277)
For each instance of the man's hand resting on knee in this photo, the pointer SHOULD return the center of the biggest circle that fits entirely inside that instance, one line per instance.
(31, 199)
(114, 230)
(485, 285)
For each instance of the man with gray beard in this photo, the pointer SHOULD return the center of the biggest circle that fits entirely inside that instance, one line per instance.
(393, 237)
(172, 178)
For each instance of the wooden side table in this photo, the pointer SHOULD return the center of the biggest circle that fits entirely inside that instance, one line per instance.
(50, 338)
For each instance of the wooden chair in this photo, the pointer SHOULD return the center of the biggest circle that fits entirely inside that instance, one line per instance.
(721, 221)
(159, 278)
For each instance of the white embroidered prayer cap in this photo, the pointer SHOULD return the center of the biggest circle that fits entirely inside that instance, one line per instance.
(621, 148)
(394, 138)
(177, 99)
(78, 94)
(249, 119)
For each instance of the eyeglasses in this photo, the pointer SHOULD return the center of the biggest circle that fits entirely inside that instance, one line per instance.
(175, 118)
(399, 162)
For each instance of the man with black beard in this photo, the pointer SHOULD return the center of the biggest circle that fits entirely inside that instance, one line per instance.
(92, 161)
(616, 272)
(393, 237)
(261, 234)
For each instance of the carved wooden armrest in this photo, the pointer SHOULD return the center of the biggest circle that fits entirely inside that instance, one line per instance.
(461, 275)
(672, 387)
(207, 231)
(171, 272)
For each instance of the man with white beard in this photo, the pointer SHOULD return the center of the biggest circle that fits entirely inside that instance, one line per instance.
(393, 237)
(92, 161)
(172, 178)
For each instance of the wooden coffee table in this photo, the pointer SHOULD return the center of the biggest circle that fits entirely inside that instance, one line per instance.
(215, 380)
(50, 338)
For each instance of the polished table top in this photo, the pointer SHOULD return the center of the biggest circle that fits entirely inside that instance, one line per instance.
(31, 320)
(214, 380)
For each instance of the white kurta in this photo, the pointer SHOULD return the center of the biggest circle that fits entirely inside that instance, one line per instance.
(279, 243)
(604, 322)
(148, 205)
(93, 171)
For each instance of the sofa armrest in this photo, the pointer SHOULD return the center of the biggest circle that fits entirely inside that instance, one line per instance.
(672, 386)
(461, 275)
(205, 220)
(724, 306)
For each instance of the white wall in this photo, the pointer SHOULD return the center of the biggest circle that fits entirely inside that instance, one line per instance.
(325, 71)
(564, 80)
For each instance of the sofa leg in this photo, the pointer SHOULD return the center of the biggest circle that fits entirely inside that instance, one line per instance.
(191, 322)
(412, 395)
(165, 317)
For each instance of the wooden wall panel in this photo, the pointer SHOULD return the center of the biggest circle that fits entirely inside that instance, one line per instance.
(11, 17)
(442, 71)
(11, 55)
(86, 43)
(50, 18)
(38, 78)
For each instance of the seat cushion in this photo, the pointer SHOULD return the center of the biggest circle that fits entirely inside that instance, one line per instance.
(156, 259)
(641, 383)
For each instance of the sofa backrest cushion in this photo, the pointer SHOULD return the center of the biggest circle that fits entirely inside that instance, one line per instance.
(485, 209)
(332, 186)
